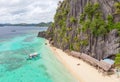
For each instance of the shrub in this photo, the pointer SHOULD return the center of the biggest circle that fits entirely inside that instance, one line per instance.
(117, 7)
(84, 42)
(71, 47)
(117, 60)
(73, 19)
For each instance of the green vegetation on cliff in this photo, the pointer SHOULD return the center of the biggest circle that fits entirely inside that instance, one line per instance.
(92, 19)
(73, 20)
(117, 60)
(60, 30)
(117, 6)
(87, 27)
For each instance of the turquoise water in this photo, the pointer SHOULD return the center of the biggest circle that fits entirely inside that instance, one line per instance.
(14, 66)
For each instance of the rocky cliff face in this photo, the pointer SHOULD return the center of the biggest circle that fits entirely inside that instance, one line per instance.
(67, 30)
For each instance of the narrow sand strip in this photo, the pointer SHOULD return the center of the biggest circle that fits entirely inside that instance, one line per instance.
(80, 69)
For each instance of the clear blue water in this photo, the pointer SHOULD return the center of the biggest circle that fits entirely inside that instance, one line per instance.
(14, 50)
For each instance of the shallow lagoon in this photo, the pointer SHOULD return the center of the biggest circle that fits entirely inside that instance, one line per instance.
(14, 50)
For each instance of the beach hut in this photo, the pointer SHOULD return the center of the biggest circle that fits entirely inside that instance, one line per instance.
(85, 57)
(75, 54)
(90, 59)
(106, 64)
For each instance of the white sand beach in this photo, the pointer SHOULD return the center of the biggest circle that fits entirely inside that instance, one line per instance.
(80, 69)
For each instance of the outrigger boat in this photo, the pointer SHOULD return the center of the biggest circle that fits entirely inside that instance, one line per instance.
(34, 55)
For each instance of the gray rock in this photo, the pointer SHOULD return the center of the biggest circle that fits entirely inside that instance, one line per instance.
(98, 47)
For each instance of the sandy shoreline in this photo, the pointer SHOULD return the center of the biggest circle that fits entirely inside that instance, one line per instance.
(83, 72)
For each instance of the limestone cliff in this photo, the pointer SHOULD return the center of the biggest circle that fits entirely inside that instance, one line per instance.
(87, 26)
